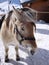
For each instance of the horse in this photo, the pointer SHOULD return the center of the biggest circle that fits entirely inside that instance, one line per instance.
(25, 28)
(42, 8)
(18, 27)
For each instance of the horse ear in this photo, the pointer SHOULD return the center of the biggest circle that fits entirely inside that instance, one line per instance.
(7, 18)
(14, 8)
(17, 11)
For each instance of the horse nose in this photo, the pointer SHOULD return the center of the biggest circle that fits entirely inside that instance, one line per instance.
(32, 52)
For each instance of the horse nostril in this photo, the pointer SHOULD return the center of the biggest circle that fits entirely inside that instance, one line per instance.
(32, 52)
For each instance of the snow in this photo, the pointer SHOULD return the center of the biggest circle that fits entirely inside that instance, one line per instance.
(41, 56)
(22, 1)
(42, 35)
(12, 1)
(5, 7)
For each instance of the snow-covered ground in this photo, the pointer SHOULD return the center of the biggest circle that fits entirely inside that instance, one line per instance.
(6, 7)
(41, 56)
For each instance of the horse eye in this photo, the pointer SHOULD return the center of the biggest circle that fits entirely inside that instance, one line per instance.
(22, 28)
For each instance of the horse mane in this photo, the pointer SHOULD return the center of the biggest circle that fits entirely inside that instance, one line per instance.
(30, 12)
(1, 20)
(8, 18)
